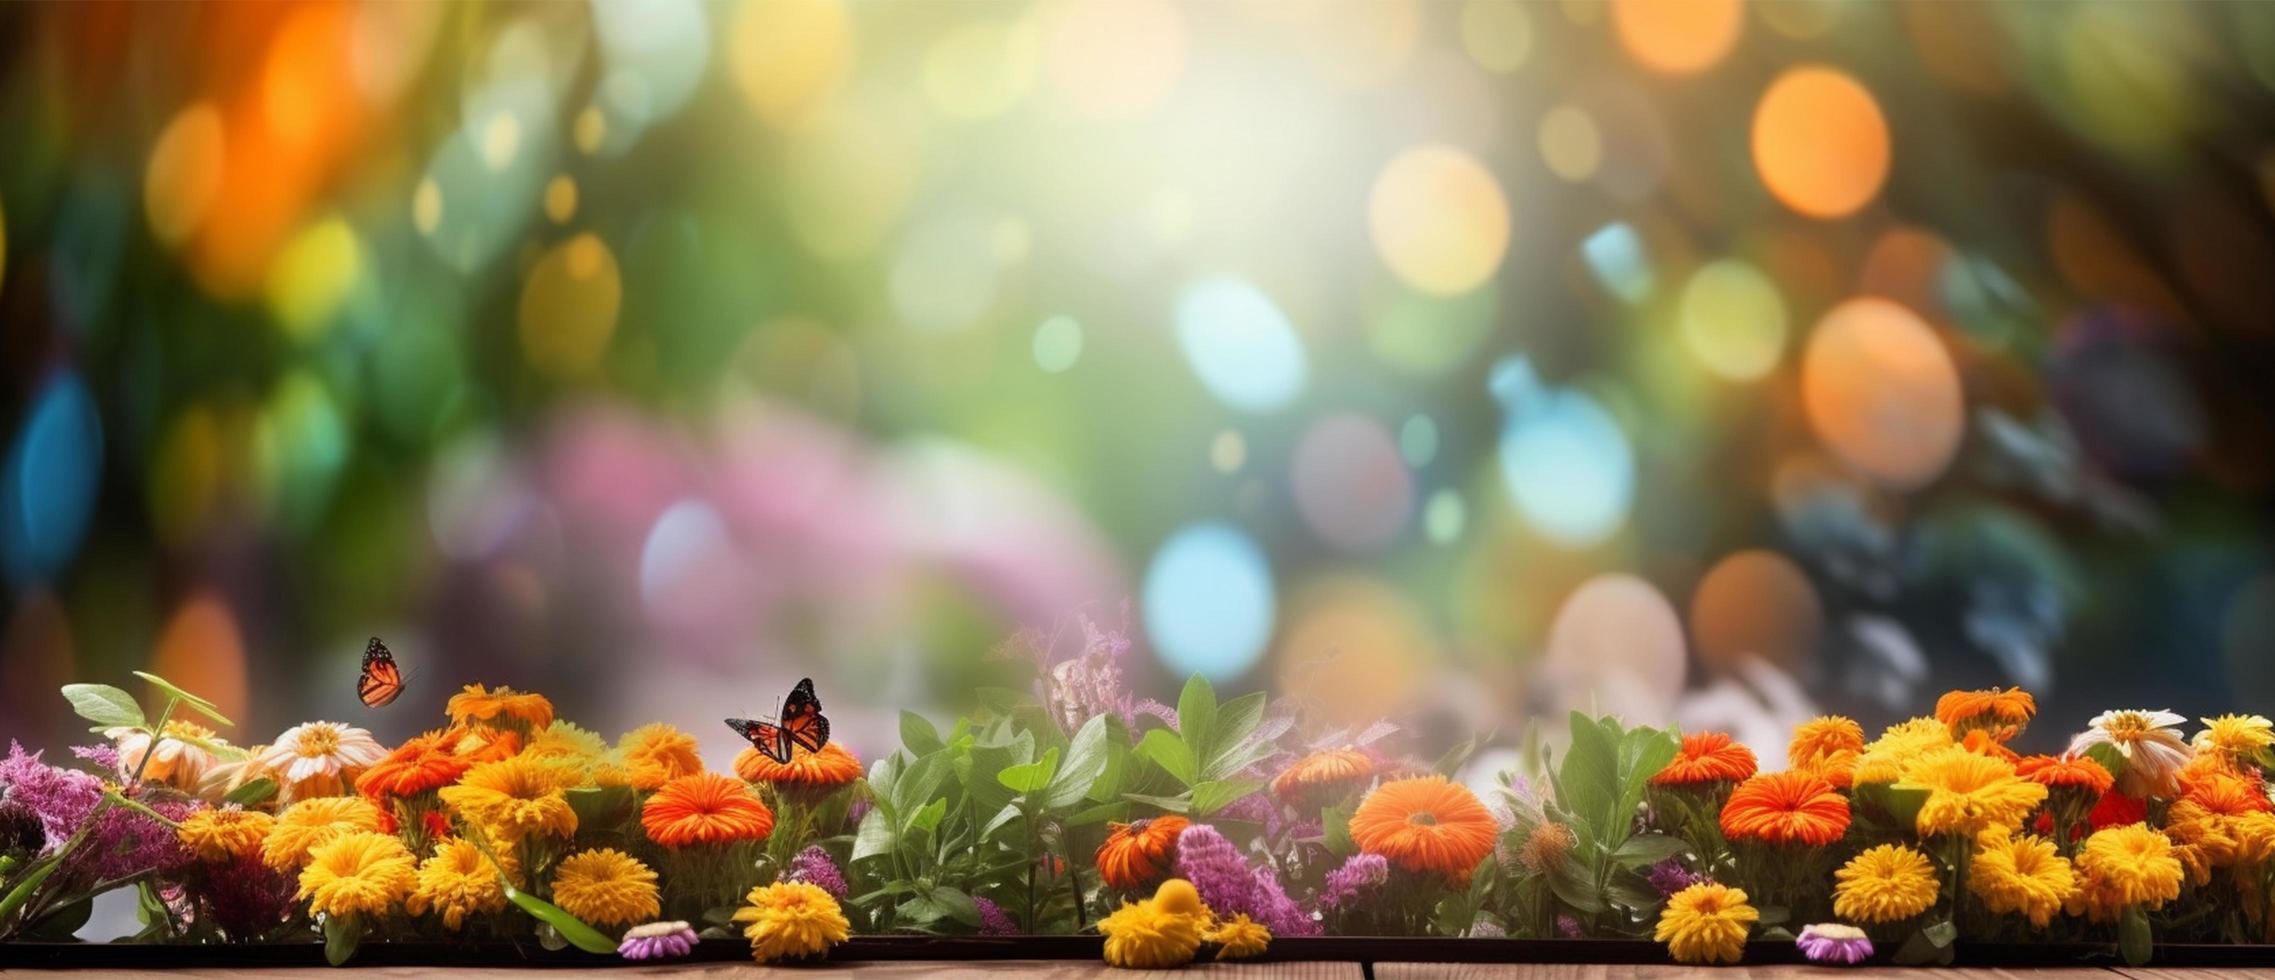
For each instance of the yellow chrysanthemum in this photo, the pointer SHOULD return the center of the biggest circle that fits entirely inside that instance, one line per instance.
(1238, 938)
(313, 822)
(2235, 737)
(2125, 866)
(1706, 923)
(220, 836)
(567, 741)
(1969, 793)
(514, 798)
(1888, 883)
(791, 920)
(606, 887)
(1157, 933)
(363, 873)
(2020, 874)
(457, 881)
(500, 708)
(2255, 837)
(1883, 760)
(657, 754)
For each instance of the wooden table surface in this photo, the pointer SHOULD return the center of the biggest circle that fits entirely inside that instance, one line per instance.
(1032, 970)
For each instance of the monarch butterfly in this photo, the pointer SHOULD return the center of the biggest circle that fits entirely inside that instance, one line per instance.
(381, 682)
(801, 724)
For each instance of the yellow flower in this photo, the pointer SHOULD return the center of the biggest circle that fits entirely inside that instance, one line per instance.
(565, 742)
(1888, 883)
(791, 920)
(657, 754)
(1706, 923)
(1968, 793)
(177, 763)
(1884, 759)
(2020, 874)
(2236, 737)
(1238, 938)
(310, 823)
(2255, 837)
(319, 758)
(362, 873)
(606, 887)
(2125, 866)
(457, 882)
(1159, 932)
(500, 708)
(513, 798)
(219, 836)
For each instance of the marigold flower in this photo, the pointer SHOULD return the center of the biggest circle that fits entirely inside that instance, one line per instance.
(791, 920)
(2236, 738)
(2126, 866)
(2020, 873)
(1707, 757)
(1888, 883)
(2066, 771)
(1238, 938)
(829, 769)
(2151, 745)
(2002, 712)
(456, 882)
(319, 758)
(1969, 793)
(1425, 824)
(421, 764)
(1323, 776)
(1785, 808)
(1136, 854)
(566, 741)
(513, 798)
(221, 835)
(310, 823)
(1827, 746)
(1157, 933)
(705, 808)
(362, 873)
(501, 707)
(177, 763)
(2206, 821)
(1706, 923)
(658, 753)
(1883, 760)
(606, 887)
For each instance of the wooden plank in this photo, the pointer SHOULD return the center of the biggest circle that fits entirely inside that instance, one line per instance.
(905, 970)
(1600, 971)
(2194, 973)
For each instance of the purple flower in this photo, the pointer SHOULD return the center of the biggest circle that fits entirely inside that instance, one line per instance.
(1832, 942)
(1669, 876)
(247, 899)
(657, 941)
(1569, 927)
(993, 920)
(1485, 928)
(1356, 881)
(104, 755)
(61, 798)
(814, 867)
(122, 843)
(1228, 887)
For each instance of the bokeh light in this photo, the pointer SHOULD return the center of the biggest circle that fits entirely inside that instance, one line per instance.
(47, 489)
(789, 56)
(1566, 463)
(1755, 603)
(1209, 602)
(1058, 344)
(312, 276)
(1355, 649)
(1439, 219)
(202, 648)
(184, 173)
(1115, 58)
(1497, 34)
(569, 306)
(1244, 349)
(1616, 646)
(1882, 392)
(1569, 143)
(1733, 320)
(1820, 143)
(1351, 485)
(1678, 37)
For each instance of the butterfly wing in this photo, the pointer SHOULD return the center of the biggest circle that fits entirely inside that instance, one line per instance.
(771, 740)
(381, 681)
(802, 717)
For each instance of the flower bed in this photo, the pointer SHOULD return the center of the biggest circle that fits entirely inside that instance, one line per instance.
(1077, 822)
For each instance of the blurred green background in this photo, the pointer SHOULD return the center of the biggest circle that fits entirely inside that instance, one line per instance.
(1455, 362)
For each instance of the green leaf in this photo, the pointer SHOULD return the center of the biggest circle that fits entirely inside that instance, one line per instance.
(1032, 776)
(1101, 813)
(1229, 748)
(22, 893)
(599, 807)
(198, 704)
(1086, 758)
(1196, 715)
(918, 735)
(2109, 758)
(1573, 890)
(1002, 819)
(1644, 850)
(1181, 803)
(342, 934)
(58, 926)
(252, 793)
(2134, 940)
(1589, 784)
(986, 760)
(104, 705)
(874, 837)
(574, 930)
(1941, 933)
(928, 818)
(1901, 803)
(1166, 750)
(1216, 794)
(958, 905)
(1642, 753)
(1335, 831)
(919, 783)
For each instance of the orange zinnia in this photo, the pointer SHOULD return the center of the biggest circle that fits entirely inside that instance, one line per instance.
(479, 704)
(829, 768)
(1785, 808)
(2056, 772)
(1425, 824)
(2000, 711)
(1982, 742)
(705, 808)
(419, 765)
(2228, 795)
(1323, 775)
(1138, 853)
(1707, 757)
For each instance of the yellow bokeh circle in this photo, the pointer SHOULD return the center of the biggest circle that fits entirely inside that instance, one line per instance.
(1439, 219)
(568, 307)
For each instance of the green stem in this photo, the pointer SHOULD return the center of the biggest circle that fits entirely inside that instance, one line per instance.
(1074, 885)
(157, 735)
(144, 810)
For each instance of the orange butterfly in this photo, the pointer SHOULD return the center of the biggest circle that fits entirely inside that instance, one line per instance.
(382, 681)
(801, 724)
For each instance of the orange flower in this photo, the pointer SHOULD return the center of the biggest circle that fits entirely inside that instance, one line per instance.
(2056, 772)
(2228, 795)
(1707, 757)
(419, 765)
(1323, 776)
(658, 753)
(479, 704)
(1425, 824)
(480, 745)
(1785, 808)
(1982, 742)
(2002, 712)
(1138, 853)
(829, 768)
(705, 808)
